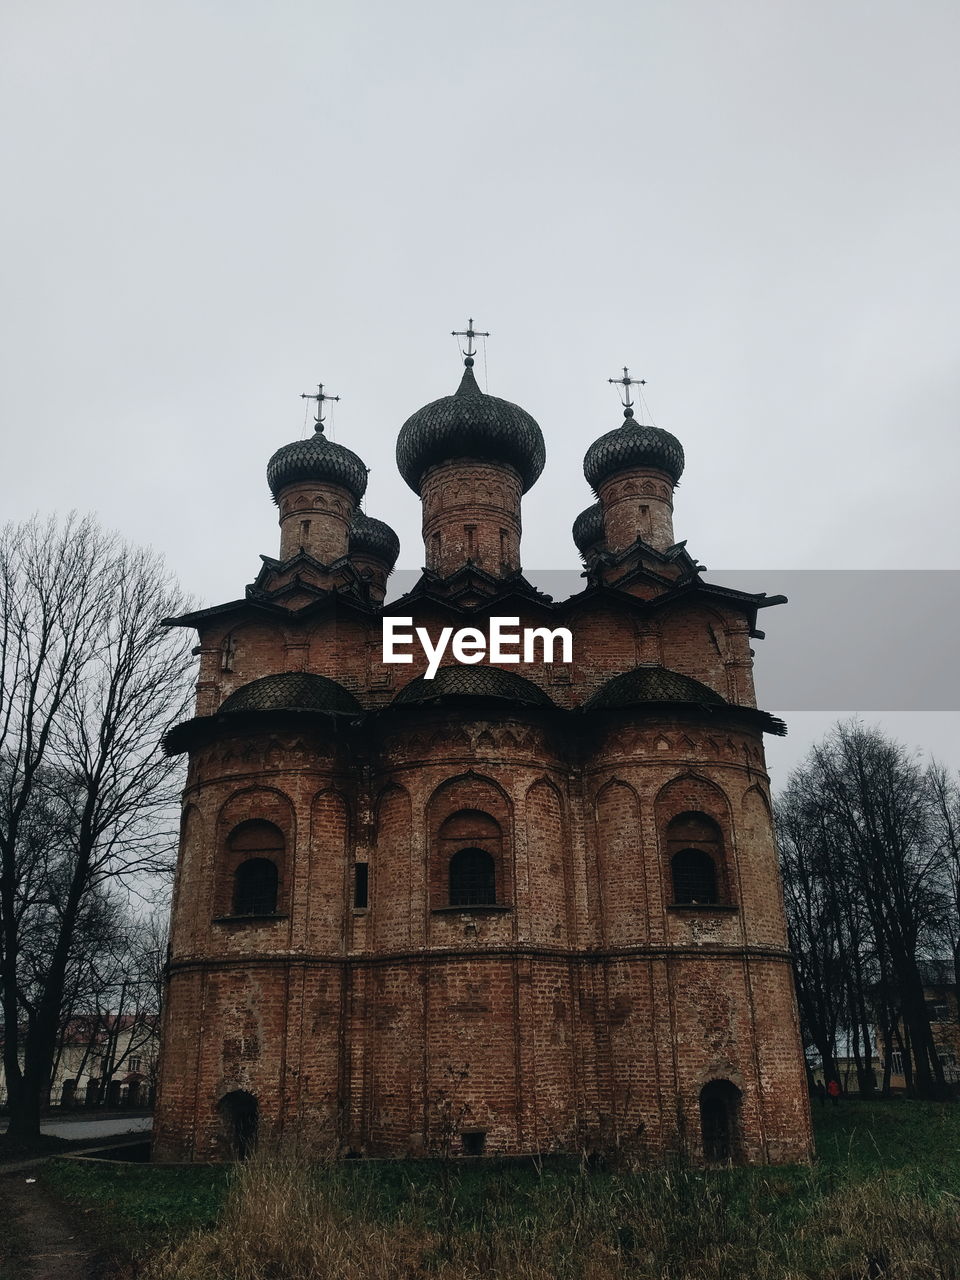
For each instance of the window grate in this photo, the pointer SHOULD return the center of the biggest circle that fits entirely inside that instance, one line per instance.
(472, 879)
(694, 877)
(255, 888)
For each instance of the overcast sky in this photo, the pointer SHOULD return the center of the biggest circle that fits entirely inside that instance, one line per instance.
(209, 207)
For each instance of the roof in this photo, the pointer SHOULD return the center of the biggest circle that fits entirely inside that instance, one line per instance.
(469, 424)
(473, 682)
(658, 686)
(318, 459)
(588, 527)
(293, 691)
(652, 684)
(633, 445)
(937, 972)
(374, 537)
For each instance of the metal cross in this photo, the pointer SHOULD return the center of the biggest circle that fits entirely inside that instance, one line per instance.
(320, 397)
(627, 382)
(469, 333)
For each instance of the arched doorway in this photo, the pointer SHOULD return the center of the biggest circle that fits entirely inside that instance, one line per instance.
(720, 1121)
(239, 1115)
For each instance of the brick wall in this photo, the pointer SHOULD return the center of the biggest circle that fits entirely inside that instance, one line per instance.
(584, 1009)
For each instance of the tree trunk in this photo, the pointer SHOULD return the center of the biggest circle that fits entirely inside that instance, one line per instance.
(887, 1055)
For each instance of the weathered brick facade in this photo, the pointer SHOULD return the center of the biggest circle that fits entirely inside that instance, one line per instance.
(354, 997)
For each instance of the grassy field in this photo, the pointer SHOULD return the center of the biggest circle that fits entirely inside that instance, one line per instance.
(882, 1201)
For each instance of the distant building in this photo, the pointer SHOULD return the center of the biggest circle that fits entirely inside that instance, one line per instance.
(104, 1060)
(940, 998)
(518, 906)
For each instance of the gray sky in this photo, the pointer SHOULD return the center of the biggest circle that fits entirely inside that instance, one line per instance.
(211, 206)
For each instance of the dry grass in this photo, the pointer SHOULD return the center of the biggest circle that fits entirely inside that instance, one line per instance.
(287, 1220)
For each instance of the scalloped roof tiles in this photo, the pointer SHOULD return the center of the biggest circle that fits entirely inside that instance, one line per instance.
(320, 459)
(375, 537)
(652, 684)
(473, 682)
(470, 424)
(293, 691)
(633, 445)
(588, 527)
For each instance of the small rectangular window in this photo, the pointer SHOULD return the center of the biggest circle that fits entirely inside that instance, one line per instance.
(304, 532)
(361, 881)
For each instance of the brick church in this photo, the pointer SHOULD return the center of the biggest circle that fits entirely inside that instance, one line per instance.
(523, 907)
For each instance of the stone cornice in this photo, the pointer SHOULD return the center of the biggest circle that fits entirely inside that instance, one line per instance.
(512, 951)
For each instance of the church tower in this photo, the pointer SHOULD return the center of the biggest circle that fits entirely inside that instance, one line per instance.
(505, 907)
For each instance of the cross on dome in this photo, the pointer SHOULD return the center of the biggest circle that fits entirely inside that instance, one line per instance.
(320, 397)
(627, 382)
(469, 333)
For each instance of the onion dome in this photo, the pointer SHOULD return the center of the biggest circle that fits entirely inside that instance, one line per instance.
(458, 682)
(588, 528)
(293, 691)
(470, 424)
(632, 445)
(373, 538)
(316, 459)
(652, 684)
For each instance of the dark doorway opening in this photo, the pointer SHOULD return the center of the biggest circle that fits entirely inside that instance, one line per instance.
(474, 1142)
(720, 1121)
(239, 1113)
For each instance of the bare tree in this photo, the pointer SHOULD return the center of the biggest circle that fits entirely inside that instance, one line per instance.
(816, 939)
(89, 681)
(945, 791)
(864, 868)
(124, 1000)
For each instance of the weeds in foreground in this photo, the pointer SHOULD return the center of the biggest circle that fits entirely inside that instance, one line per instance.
(285, 1219)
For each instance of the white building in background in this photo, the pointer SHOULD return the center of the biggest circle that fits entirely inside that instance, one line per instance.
(104, 1060)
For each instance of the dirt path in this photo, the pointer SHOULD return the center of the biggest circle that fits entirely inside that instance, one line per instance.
(38, 1241)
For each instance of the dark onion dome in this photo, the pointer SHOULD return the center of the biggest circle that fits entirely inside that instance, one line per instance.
(652, 684)
(293, 691)
(373, 538)
(647, 686)
(470, 424)
(318, 459)
(473, 682)
(632, 445)
(588, 528)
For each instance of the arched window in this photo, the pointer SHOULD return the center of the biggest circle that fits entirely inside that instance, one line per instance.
(255, 888)
(472, 879)
(467, 865)
(720, 1121)
(257, 850)
(694, 877)
(694, 845)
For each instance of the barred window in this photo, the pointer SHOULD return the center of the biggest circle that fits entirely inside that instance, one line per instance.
(694, 877)
(255, 888)
(472, 879)
(256, 850)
